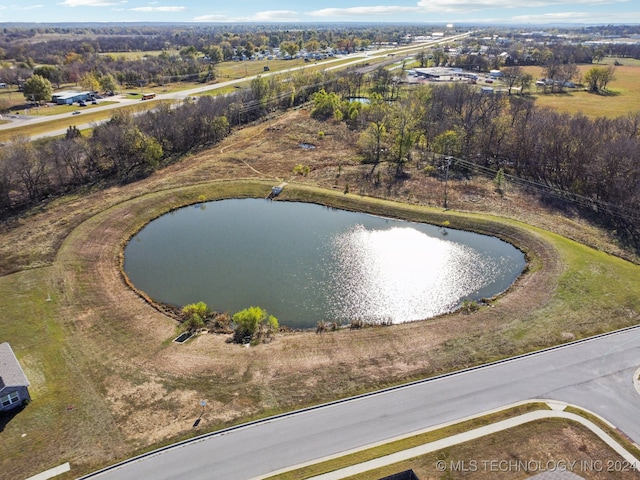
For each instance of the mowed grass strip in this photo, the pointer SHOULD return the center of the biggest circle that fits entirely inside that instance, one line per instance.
(545, 446)
(406, 443)
(47, 111)
(87, 116)
(514, 453)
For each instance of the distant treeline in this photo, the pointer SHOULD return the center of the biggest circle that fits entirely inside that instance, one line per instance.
(41, 45)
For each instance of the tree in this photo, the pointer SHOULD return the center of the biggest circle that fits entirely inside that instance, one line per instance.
(261, 90)
(597, 78)
(325, 104)
(195, 314)
(447, 143)
(499, 181)
(38, 89)
(89, 82)
(511, 76)
(421, 57)
(253, 325)
(525, 81)
(108, 83)
(189, 51)
(404, 136)
(312, 45)
(50, 72)
(216, 55)
(290, 48)
(123, 149)
(30, 168)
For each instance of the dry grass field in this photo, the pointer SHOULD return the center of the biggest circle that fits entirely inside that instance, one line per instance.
(107, 381)
(622, 96)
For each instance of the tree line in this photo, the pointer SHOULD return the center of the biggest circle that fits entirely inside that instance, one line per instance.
(571, 156)
(127, 147)
(23, 44)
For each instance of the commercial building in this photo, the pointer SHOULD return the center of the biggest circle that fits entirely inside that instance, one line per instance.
(68, 97)
(445, 74)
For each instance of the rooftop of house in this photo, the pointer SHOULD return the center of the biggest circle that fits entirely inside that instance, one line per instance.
(11, 374)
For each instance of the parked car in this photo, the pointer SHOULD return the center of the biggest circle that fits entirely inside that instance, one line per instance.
(82, 104)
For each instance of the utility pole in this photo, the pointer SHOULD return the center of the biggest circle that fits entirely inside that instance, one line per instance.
(446, 179)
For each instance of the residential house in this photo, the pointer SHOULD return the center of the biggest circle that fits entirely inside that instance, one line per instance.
(14, 386)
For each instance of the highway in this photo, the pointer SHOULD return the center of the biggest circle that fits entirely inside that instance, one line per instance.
(119, 101)
(596, 374)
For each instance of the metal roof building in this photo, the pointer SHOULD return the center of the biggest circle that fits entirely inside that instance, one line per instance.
(68, 97)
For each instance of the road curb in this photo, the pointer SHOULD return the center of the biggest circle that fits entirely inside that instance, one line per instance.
(475, 434)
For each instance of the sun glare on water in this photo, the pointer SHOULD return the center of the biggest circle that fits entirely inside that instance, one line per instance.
(401, 274)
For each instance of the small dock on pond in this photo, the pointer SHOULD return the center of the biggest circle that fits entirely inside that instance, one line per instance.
(275, 191)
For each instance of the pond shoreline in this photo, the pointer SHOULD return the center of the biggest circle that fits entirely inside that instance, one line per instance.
(308, 264)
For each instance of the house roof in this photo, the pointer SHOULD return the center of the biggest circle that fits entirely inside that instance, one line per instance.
(11, 374)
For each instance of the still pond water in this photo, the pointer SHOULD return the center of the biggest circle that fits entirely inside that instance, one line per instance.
(304, 262)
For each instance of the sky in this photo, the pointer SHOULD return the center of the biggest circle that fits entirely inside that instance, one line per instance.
(373, 11)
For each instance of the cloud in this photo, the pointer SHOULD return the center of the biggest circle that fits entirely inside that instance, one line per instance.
(275, 16)
(89, 3)
(21, 7)
(363, 11)
(463, 6)
(266, 16)
(562, 17)
(449, 6)
(157, 9)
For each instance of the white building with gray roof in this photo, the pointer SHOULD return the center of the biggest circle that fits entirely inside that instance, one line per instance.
(14, 386)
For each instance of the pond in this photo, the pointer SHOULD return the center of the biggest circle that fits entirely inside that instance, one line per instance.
(304, 263)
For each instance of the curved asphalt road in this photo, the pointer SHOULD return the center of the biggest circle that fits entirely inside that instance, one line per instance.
(595, 374)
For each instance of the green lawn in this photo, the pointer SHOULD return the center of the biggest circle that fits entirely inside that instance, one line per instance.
(87, 116)
(60, 109)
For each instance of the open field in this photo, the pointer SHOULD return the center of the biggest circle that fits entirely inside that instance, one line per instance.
(109, 382)
(630, 62)
(623, 95)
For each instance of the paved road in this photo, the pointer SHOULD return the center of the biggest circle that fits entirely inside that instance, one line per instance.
(595, 374)
(356, 58)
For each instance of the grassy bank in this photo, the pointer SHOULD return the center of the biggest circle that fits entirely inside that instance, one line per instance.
(108, 381)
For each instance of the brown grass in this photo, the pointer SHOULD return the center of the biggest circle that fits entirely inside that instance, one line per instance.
(622, 95)
(101, 348)
(520, 453)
